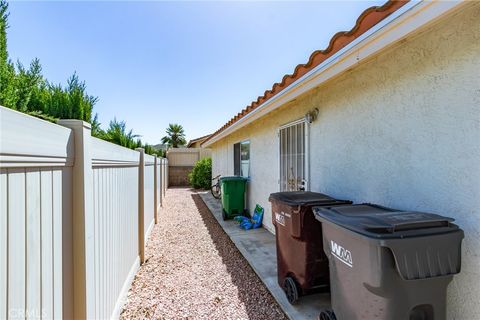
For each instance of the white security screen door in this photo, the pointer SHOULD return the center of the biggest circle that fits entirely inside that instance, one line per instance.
(294, 156)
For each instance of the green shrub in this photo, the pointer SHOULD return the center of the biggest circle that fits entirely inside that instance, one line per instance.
(201, 175)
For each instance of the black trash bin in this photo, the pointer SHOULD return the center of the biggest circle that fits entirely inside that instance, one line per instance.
(302, 266)
(388, 264)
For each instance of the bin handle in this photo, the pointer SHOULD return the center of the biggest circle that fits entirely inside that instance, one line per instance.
(410, 225)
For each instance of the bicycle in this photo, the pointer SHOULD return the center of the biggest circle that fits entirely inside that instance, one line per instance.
(216, 190)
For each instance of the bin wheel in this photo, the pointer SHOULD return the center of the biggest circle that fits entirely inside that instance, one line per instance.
(224, 215)
(291, 290)
(327, 315)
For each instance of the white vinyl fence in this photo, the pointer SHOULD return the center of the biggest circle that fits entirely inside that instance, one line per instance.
(149, 193)
(75, 213)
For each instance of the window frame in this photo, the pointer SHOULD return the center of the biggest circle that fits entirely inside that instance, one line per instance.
(306, 151)
(245, 142)
(239, 160)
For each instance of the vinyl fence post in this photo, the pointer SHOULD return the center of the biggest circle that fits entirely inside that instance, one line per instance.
(155, 189)
(163, 181)
(160, 181)
(83, 221)
(166, 175)
(141, 205)
(163, 178)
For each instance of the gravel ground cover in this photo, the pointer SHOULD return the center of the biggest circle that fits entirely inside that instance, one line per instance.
(194, 271)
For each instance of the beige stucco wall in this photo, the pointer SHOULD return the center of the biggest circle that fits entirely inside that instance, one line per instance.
(402, 130)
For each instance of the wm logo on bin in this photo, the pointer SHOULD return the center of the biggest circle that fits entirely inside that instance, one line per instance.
(341, 253)
(280, 218)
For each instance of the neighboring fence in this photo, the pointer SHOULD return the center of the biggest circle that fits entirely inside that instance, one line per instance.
(75, 213)
(181, 162)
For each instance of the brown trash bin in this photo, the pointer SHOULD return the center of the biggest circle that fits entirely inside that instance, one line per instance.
(302, 266)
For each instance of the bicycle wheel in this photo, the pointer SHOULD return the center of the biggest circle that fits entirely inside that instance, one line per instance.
(216, 193)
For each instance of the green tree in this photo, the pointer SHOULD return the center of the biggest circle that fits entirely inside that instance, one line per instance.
(26, 83)
(40, 95)
(96, 127)
(117, 133)
(80, 103)
(26, 90)
(71, 102)
(3, 30)
(175, 136)
(7, 69)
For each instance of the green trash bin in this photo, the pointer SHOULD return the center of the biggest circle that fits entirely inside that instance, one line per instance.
(233, 196)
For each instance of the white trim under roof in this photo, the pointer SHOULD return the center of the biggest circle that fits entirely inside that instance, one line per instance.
(395, 27)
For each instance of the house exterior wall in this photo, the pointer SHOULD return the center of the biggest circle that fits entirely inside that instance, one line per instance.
(401, 130)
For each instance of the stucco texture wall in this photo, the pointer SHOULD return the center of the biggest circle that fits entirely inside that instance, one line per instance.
(401, 130)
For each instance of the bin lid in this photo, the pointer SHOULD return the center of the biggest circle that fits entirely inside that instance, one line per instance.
(302, 198)
(379, 222)
(233, 178)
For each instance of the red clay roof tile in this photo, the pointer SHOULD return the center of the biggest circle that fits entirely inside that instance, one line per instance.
(369, 18)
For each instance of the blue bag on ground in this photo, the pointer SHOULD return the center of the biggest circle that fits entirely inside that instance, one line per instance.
(253, 223)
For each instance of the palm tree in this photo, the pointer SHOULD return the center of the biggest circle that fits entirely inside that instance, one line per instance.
(175, 136)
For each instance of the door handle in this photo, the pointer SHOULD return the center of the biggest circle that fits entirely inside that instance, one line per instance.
(301, 187)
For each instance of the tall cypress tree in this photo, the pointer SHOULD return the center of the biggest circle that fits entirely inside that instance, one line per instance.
(28, 91)
(7, 70)
(3, 31)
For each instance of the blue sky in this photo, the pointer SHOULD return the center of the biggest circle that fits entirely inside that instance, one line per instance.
(193, 63)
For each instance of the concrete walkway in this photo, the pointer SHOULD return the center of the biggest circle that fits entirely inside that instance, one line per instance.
(258, 248)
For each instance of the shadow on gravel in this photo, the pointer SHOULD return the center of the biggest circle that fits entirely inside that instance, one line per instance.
(251, 291)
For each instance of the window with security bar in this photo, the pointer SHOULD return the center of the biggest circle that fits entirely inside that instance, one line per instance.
(293, 156)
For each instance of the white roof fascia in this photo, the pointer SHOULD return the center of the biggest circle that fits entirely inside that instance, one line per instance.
(395, 27)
